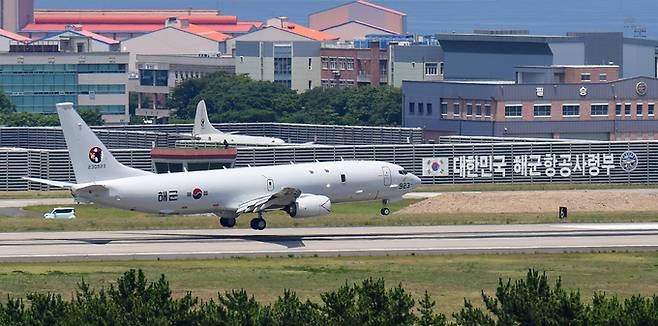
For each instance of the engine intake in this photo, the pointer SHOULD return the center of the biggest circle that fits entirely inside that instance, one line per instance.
(309, 206)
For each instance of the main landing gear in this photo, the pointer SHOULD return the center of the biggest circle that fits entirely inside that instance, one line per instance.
(385, 210)
(258, 223)
(227, 222)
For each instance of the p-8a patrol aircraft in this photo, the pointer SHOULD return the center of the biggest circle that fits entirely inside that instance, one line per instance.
(301, 190)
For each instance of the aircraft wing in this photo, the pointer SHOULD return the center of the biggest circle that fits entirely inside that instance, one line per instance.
(90, 188)
(282, 198)
(60, 184)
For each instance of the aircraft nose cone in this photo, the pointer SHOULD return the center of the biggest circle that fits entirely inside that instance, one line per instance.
(415, 181)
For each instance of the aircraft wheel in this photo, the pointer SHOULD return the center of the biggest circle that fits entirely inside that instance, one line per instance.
(385, 211)
(258, 224)
(227, 222)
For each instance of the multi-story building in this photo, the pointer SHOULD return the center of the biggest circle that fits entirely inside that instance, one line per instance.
(295, 64)
(488, 55)
(351, 65)
(38, 75)
(282, 52)
(175, 37)
(583, 107)
(159, 74)
(415, 62)
(15, 14)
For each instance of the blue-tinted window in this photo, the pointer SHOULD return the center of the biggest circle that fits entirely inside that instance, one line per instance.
(570, 110)
(513, 111)
(599, 109)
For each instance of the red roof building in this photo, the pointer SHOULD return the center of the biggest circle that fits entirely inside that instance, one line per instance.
(367, 14)
(120, 25)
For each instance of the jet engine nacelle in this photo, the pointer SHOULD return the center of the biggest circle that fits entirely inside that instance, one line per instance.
(309, 206)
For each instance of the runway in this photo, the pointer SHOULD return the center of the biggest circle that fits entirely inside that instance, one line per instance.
(363, 241)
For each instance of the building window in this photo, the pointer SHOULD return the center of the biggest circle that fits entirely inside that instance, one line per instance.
(441, 68)
(627, 109)
(429, 108)
(603, 77)
(513, 111)
(412, 107)
(420, 109)
(469, 109)
(542, 110)
(332, 63)
(325, 63)
(618, 109)
(650, 108)
(600, 110)
(638, 109)
(487, 110)
(342, 63)
(431, 68)
(349, 63)
(478, 110)
(444, 108)
(241, 59)
(585, 77)
(456, 110)
(310, 63)
(571, 110)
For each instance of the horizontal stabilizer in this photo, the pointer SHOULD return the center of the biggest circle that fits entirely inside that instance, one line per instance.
(59, 184)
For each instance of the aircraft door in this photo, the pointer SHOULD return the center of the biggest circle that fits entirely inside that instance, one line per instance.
(387, 175)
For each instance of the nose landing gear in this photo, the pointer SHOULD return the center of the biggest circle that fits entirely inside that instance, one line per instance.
(385, 211)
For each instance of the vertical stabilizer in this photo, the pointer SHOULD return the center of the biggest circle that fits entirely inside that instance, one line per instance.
(202, 125)
(90, 158)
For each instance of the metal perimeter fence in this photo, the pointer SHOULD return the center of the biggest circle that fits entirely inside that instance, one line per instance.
(456, 163)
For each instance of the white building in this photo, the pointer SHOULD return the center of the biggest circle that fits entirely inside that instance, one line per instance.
(177, 37)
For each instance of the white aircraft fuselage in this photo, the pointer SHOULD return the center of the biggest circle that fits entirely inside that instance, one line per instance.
(222, 191)
(301, 190)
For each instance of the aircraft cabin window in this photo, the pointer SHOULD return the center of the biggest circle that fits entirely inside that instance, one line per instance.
(343, 178)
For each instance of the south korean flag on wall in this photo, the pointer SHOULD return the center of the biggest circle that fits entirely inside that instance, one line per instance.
(435, 167)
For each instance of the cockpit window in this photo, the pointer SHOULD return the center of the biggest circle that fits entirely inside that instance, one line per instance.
(402, 172)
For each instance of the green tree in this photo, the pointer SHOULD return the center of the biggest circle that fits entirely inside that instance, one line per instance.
(6, 107)
(92, 117)
(427, 315)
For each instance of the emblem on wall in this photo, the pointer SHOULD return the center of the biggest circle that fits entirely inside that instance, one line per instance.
(582, 91)
(641, 88)
(539, 91)
(628, 161)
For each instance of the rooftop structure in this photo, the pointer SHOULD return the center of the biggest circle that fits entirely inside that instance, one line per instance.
(282, 23)
(123, 24)
(176, 37)
(367, 15)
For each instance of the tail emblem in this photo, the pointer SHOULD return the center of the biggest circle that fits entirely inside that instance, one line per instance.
(95, 154)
